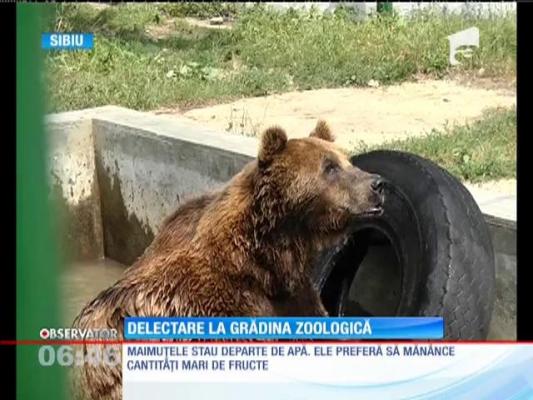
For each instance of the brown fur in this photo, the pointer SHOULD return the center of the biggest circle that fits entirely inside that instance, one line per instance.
(177, 229)
(243, 251)
(322, 131)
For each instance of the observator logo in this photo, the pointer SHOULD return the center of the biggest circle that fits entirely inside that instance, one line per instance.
(77, 334)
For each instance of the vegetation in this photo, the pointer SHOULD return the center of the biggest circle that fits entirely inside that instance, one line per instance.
(480, 151)
(145, 57)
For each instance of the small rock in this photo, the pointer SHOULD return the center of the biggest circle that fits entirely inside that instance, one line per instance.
(446, 100)
(216, 21)
(373, 83)
(481, 72)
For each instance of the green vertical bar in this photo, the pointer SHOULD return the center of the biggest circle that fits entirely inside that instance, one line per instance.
(37, 267)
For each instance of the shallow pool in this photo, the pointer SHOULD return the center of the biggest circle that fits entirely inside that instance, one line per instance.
(82, 281)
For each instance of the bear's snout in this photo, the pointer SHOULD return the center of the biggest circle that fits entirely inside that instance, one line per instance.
(369, 195)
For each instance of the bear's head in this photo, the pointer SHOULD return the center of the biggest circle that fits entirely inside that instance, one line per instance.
(309, 183)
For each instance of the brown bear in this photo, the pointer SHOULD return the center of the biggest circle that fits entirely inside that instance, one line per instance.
(245, 250)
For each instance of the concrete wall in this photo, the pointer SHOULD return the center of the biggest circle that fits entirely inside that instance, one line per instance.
(406, 8)
(74, 186)
(133, 170)
(144, 172)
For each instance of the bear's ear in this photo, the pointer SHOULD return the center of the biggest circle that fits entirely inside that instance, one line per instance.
(322, 131)
(273, 141)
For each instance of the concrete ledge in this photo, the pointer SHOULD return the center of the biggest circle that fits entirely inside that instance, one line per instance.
(186, 135)
(161, 127)
(500, 213)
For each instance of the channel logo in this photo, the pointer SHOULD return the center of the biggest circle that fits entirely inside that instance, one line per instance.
(462, 43)
(78, 334)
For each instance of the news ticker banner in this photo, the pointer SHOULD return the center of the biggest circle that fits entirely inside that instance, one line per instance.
(317, 371)
(302, 328)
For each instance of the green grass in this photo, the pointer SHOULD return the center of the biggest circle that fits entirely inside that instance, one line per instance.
(332, 50)
(477, 152)
(266, 52)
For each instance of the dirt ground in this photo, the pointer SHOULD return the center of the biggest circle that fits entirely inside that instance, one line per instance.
(372, 115)
(205, 23)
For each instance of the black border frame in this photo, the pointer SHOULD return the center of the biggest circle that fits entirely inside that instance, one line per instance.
(8, 277)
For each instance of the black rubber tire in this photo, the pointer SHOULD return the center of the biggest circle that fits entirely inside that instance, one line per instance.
(442, 243)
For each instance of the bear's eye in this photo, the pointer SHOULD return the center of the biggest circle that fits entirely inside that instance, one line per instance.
(331, 167)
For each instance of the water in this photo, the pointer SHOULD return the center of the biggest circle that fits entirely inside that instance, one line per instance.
(82, 281)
